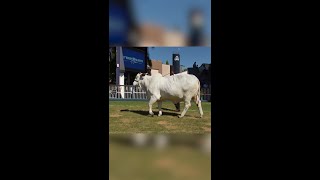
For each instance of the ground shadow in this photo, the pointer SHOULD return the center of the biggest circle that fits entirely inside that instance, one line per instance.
(146, 113)
(169, 109)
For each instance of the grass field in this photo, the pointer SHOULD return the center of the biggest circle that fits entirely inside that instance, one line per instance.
(173, 163)
(127, 117)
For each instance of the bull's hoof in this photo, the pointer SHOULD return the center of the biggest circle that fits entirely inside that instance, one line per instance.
(151, 114)
(179, 116)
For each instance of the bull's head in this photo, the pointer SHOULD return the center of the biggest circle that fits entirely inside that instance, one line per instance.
(138, 78)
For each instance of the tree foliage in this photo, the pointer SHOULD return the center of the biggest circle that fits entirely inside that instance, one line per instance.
(112, 64)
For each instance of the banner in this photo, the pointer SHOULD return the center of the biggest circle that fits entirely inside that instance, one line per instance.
(134, 60)
(118, 24)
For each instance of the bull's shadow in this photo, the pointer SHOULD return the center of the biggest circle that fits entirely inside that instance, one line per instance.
(169, 109)
(146, 113)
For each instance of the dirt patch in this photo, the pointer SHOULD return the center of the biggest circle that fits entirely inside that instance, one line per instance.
(162, 122)
(206, 129)
(125, 120)
(181, 170)
(194, 117)
(165, 163)
(171, 127)
(115, 115)
(187, 171)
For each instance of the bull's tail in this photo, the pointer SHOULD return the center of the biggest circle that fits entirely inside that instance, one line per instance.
(198, 94)
(198, 101)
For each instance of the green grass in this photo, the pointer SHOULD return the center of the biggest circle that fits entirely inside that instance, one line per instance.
(173, 163)
(127, 117)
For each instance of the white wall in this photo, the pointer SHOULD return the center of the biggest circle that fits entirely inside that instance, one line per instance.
(165, 70)
(121, 82)
(154, 71)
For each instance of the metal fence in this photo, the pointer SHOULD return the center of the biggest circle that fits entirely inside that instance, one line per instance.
(126, 92)
(130, 92)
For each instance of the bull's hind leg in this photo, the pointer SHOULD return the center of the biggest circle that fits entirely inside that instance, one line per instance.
(151, 101)
(200, 109)
(198, 102)
(187, 104)
(160, 106)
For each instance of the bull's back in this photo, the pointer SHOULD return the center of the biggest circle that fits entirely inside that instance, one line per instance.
(178, 86)
(185, 81)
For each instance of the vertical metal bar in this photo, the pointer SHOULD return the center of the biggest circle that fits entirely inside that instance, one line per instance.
(134, 92)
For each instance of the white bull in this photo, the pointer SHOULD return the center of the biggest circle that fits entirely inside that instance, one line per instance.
(176, 88)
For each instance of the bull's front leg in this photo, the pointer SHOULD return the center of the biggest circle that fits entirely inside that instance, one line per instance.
(151, 101)
(186, 107)
(160, 106)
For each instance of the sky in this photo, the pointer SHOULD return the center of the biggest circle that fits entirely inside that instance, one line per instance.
(188, 55)
(171, 13)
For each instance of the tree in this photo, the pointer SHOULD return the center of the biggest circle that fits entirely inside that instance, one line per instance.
(148, 58)
(209, 73)
(112, 64)
(167, 62)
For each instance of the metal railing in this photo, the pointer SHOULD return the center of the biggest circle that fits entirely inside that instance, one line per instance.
(205, 94)
(130, 92)
(126, 92)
